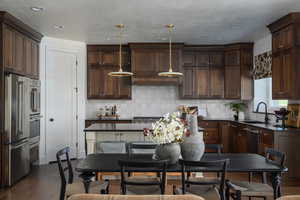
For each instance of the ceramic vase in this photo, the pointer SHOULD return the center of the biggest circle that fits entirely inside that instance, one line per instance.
(170, 152)
(192, 147)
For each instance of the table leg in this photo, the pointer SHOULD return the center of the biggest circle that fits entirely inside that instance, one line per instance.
(85, 143)
(86, 179)
(276, 182)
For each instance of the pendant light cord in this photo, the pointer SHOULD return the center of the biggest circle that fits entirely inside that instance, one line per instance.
(120, 53)
(170, 50)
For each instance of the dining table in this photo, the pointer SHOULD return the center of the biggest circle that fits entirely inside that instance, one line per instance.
(239, 162)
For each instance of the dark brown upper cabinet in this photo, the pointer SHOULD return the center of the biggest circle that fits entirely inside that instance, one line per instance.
(102, 59)
(148, 59)
(20, 53)
(203, 68)
(285, 59)
(238, 71)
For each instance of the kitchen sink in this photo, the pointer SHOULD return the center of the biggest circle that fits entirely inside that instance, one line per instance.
(253, 122)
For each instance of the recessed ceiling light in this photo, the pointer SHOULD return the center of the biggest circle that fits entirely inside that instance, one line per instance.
(36, 9)
(59, 27)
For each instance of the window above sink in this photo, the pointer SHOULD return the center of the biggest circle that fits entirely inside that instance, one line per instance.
(263, 92)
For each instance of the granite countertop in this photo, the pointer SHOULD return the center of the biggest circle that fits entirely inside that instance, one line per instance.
(125, 127)
(107, 119)
(270, 126)
(139, 126)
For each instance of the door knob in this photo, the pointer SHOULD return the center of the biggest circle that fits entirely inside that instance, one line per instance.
(51, 119)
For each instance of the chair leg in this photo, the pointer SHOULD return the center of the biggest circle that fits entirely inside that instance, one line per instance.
(238, 195)
(62, 193)
(250, 175)
(227, 193)
(174, 188)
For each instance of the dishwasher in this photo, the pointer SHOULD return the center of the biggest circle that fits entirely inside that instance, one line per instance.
(253, 140)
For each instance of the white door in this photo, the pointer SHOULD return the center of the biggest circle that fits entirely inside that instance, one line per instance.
(61, 103)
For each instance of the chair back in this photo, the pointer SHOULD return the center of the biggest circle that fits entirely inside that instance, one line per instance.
(61, 156)
(140, 147)
(196, 166)
(214, 148)
(143, 166)
(275, 157)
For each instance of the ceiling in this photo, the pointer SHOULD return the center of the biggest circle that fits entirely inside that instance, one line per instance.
(196, 21)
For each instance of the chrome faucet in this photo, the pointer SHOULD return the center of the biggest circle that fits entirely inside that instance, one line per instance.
(266, 111)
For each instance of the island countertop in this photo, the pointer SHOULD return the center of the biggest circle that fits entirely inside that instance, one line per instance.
(124, 127)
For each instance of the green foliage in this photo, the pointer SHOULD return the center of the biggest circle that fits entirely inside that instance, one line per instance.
(237, 106)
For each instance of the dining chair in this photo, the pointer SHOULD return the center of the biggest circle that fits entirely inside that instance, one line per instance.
(239, 189)
(214, 148)
(68, 186)
(140, 147)
(143, 184)
(207, 188)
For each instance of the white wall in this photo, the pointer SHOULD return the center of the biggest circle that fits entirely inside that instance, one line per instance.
(80, 49)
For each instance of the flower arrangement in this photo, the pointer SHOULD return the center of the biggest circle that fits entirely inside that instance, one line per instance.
(167, 130)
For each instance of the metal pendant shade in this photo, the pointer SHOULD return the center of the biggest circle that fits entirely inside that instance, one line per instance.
(170, 73)
(120, 72)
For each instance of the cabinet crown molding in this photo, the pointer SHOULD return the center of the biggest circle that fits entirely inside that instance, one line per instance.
(17, 24)
(291, 18)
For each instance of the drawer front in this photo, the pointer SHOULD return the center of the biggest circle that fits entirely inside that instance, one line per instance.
(211, 136)
(267, 138)
(208, 124)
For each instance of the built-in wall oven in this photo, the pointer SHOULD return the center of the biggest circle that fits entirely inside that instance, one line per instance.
(35, 102)
(35, 119)
(34, 134)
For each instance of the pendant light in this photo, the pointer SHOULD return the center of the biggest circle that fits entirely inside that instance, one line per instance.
(120, 73)
(170, 73)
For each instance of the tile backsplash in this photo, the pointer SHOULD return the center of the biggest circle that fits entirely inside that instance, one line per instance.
(156, 101)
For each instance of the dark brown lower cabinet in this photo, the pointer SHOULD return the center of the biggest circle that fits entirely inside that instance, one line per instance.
(211, 133)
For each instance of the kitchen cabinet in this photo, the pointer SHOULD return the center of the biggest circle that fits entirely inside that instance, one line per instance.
(283, 39)
(101, 61)
(241, 141)
(203, 73)
(232, 57)
(195, 83)
(8, 47)
(150, 59)
(21, 54)
(233, 132)
(282, 69)
(285, 59)
(232, 82)
(225, 134)
(211, 134)
(238, 71)
(266, 141)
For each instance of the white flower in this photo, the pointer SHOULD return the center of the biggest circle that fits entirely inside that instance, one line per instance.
(168, 129)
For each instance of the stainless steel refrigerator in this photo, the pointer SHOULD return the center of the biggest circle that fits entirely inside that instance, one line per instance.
(17, 127)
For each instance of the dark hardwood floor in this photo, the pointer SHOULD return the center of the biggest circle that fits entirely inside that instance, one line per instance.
(43, 184)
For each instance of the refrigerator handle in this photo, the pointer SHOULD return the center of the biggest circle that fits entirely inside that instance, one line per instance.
(20, 107)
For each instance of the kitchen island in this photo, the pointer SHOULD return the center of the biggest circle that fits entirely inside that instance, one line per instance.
(115, 133)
